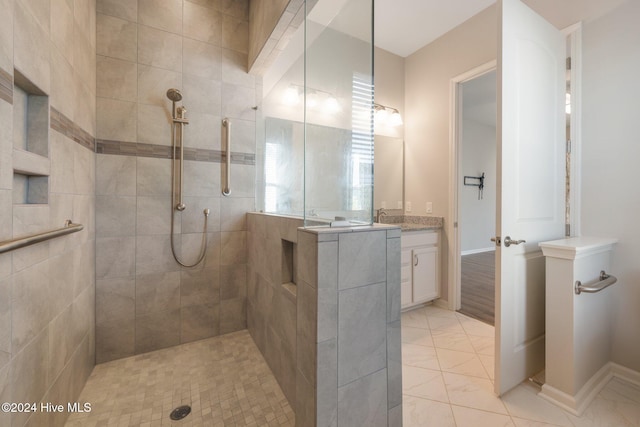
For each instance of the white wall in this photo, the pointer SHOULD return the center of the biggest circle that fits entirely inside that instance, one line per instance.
(427, 77)
(611, 152)
(477, 218)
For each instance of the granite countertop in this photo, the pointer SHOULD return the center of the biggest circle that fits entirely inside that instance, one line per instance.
(413, 222)
(418, 227)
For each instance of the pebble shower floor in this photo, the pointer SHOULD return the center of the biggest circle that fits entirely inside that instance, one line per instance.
(224, 379)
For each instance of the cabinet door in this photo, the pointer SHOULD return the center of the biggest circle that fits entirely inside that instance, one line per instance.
(425, 274)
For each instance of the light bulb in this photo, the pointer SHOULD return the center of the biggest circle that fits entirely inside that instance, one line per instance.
(382, 115)
(395, 119)
(290, 96)
(312, 100)
(331, 105)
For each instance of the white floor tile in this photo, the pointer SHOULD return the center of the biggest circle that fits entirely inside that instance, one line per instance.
(459, 362)
(416, 336)
(476, 327)
(446, 324)
(489, 365)
(417, 412)
(603, 412)
(420, 356)
(425, 383)
(468, 417)
(520, 422)
(433, 311)
(483, 345)
(451, 341)
(415, 318)
(472, 392)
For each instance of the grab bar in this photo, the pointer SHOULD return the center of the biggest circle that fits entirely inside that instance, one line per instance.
(227, 123)
(21, 242)
(605, 280)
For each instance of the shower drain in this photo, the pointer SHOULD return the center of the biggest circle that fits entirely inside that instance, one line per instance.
(180, 412)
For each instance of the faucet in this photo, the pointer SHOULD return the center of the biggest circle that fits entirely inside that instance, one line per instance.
(381, 212)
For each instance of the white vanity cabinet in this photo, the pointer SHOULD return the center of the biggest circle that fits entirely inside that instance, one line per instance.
(419, 279)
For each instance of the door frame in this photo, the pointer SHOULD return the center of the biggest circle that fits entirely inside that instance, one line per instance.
(455, 132)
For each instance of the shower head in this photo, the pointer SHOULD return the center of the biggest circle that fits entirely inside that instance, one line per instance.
(174, 95)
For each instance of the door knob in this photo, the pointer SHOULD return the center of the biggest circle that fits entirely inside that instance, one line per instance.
(508, 242)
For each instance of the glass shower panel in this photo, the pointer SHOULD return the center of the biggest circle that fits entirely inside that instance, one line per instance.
(338, 155)
(315, 121)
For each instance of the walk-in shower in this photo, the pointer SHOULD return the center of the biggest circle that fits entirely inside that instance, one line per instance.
(177, 140)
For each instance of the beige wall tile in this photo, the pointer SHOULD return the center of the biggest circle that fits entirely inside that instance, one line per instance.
(29, 374)
(115, 175)
(165, 15)
(153, 84)
(153, 216)
(62, 28)
(235, 34)
(153, 255)
(40, 10)
(124, 9)
(202, 59)
(157, 330)
(192, 218)
(159, 48)
(157, 292)
(116, 120)
(31, 48)
(199, 322)
(63, 88)
(203, 131)
(154, 124)
(202, 23)
(116, 79)
(117, 38)
(202, 95)
(30, 305)
(6, 34)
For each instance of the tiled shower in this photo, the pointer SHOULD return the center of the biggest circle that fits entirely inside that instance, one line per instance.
(85, 135)
(144, 299)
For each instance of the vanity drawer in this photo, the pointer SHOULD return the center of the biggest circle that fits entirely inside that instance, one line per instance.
(419, 238)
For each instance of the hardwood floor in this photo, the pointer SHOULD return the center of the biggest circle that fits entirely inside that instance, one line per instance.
(478, 286)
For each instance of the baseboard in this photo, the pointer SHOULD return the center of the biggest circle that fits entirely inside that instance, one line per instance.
(625, 374)
(578, 403)
(478, 251)
(441, 303)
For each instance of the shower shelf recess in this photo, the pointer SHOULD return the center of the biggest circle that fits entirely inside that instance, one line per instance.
(31, 164)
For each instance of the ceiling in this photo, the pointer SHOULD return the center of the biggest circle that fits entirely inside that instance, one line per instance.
(404, 26)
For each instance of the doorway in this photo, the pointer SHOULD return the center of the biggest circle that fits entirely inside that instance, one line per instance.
(473, 114)
(477, 195)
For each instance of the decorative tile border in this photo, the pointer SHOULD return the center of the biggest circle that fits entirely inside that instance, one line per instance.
(64, 125)
(123, 148)
(6, 86)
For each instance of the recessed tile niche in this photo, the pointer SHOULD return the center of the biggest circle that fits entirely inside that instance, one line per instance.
(31, 164)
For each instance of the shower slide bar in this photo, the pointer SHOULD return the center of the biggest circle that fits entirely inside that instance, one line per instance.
(21, 242)
(605, 280)
(227, 124)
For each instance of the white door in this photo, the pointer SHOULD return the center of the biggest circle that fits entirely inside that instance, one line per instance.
(530, 194)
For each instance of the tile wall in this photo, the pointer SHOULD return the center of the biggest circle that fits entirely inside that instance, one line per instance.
(47, 290)
(144, 299)
(333, 343)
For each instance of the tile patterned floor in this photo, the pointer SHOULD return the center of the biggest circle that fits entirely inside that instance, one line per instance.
(447, 380)
(225, 380)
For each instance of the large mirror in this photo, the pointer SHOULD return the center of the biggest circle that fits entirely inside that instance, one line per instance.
(388, 192)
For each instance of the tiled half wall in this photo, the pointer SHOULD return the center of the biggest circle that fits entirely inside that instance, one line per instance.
(144, 299)
(332, 339)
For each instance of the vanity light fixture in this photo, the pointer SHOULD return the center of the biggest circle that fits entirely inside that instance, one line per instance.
(316, 99)
(387, 116)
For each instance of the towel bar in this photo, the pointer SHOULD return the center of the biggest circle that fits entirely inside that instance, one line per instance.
(605, 280)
